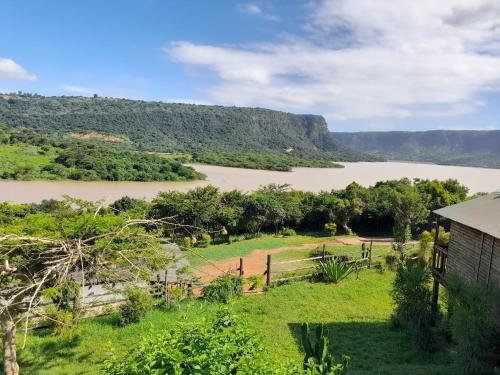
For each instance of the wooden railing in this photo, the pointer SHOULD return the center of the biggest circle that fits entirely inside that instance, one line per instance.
(439, 257)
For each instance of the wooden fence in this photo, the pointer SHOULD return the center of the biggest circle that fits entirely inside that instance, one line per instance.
(292, 269)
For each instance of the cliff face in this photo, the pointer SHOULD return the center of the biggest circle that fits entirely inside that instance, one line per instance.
(175, 127)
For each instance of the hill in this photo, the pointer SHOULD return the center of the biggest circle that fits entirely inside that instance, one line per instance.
(174, 127)
(449, 147)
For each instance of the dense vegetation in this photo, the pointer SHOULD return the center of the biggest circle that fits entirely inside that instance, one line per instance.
(260, 161)
(156, 126)
(398, 204)
(450, 147)
(26, 155)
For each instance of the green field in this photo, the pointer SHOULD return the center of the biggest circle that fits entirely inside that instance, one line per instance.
(26, 160)
(356, 312)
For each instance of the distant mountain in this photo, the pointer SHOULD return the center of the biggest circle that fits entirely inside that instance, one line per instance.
(450, 147)
(174, 127)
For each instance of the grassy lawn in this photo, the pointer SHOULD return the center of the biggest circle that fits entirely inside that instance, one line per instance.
(246, 247)
(356, 312)
(30, 159)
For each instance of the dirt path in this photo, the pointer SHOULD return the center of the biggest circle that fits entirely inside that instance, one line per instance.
(255, 262)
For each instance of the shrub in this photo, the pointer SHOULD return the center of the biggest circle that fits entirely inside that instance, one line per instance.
(204, 241)
(412, 298)
(390, 261)
(473, 321)
(225, 346)
(288, 232)
(443, 236)
(333, 270)
(255, 282)
(379, 267)
(186, 242)
(330, 229)
(139, 302)
(317, 252)
(425, 245)
(223, 289)
(62, 322)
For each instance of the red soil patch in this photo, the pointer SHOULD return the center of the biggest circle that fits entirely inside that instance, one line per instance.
(255, 263)
(100, 136)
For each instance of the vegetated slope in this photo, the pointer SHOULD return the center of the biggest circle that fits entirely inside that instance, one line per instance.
(27, 155)
(254, 160)
(156, 126)
(450, 147)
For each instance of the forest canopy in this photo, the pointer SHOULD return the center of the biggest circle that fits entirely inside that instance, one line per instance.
(176, 127)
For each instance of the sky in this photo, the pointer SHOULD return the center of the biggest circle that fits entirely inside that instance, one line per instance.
(364, 65)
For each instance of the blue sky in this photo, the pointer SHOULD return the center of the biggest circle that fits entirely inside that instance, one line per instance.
(364, 65)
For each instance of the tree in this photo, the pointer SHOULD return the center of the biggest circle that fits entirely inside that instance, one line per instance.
(41, 251)
(409, 208)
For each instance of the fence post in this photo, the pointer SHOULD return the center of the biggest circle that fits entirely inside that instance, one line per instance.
(268, 270)
(370, 254)
(166, 286)
(357, 270)
(241, 267)
(363, 250)
(323, 255)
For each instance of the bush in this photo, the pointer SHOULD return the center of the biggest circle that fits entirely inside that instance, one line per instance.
(288, 232)
(186, 242)
(225, 346)
(255, 282)
(390, 261)
(317, 252)
(139, 302)
(473, 322)
(62, 321)
(223, 289)
(412, 298)
(333, 270)
(330, 229)
(204, 241)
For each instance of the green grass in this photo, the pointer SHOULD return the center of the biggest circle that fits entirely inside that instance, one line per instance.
(246, 247)
(356, 312)
(26, 158)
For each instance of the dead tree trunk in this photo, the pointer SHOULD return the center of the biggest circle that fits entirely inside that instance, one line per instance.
(10, 365)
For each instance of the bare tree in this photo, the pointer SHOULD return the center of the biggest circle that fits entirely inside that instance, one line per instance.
(128, 252)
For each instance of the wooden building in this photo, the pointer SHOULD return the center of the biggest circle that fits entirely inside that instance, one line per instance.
(473, 252)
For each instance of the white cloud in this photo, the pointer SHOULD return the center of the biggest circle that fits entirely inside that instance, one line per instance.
(255, 10)
(12, 71)
(250, 8)
(72, 89)
(365, 58)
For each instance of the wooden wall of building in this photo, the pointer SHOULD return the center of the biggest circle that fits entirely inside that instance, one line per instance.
(473, 255)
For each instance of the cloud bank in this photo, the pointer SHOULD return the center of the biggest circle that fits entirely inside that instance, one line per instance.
(364, 59)
(9, 70)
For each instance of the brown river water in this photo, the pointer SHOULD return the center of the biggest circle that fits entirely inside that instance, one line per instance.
(307, 179)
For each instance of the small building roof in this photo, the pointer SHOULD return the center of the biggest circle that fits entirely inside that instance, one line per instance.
(482, 213)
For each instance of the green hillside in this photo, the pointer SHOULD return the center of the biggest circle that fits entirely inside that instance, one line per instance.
(27, 155)
(188, 128)
(450, 147)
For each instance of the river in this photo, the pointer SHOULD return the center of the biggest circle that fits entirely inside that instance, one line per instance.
(307, 179)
